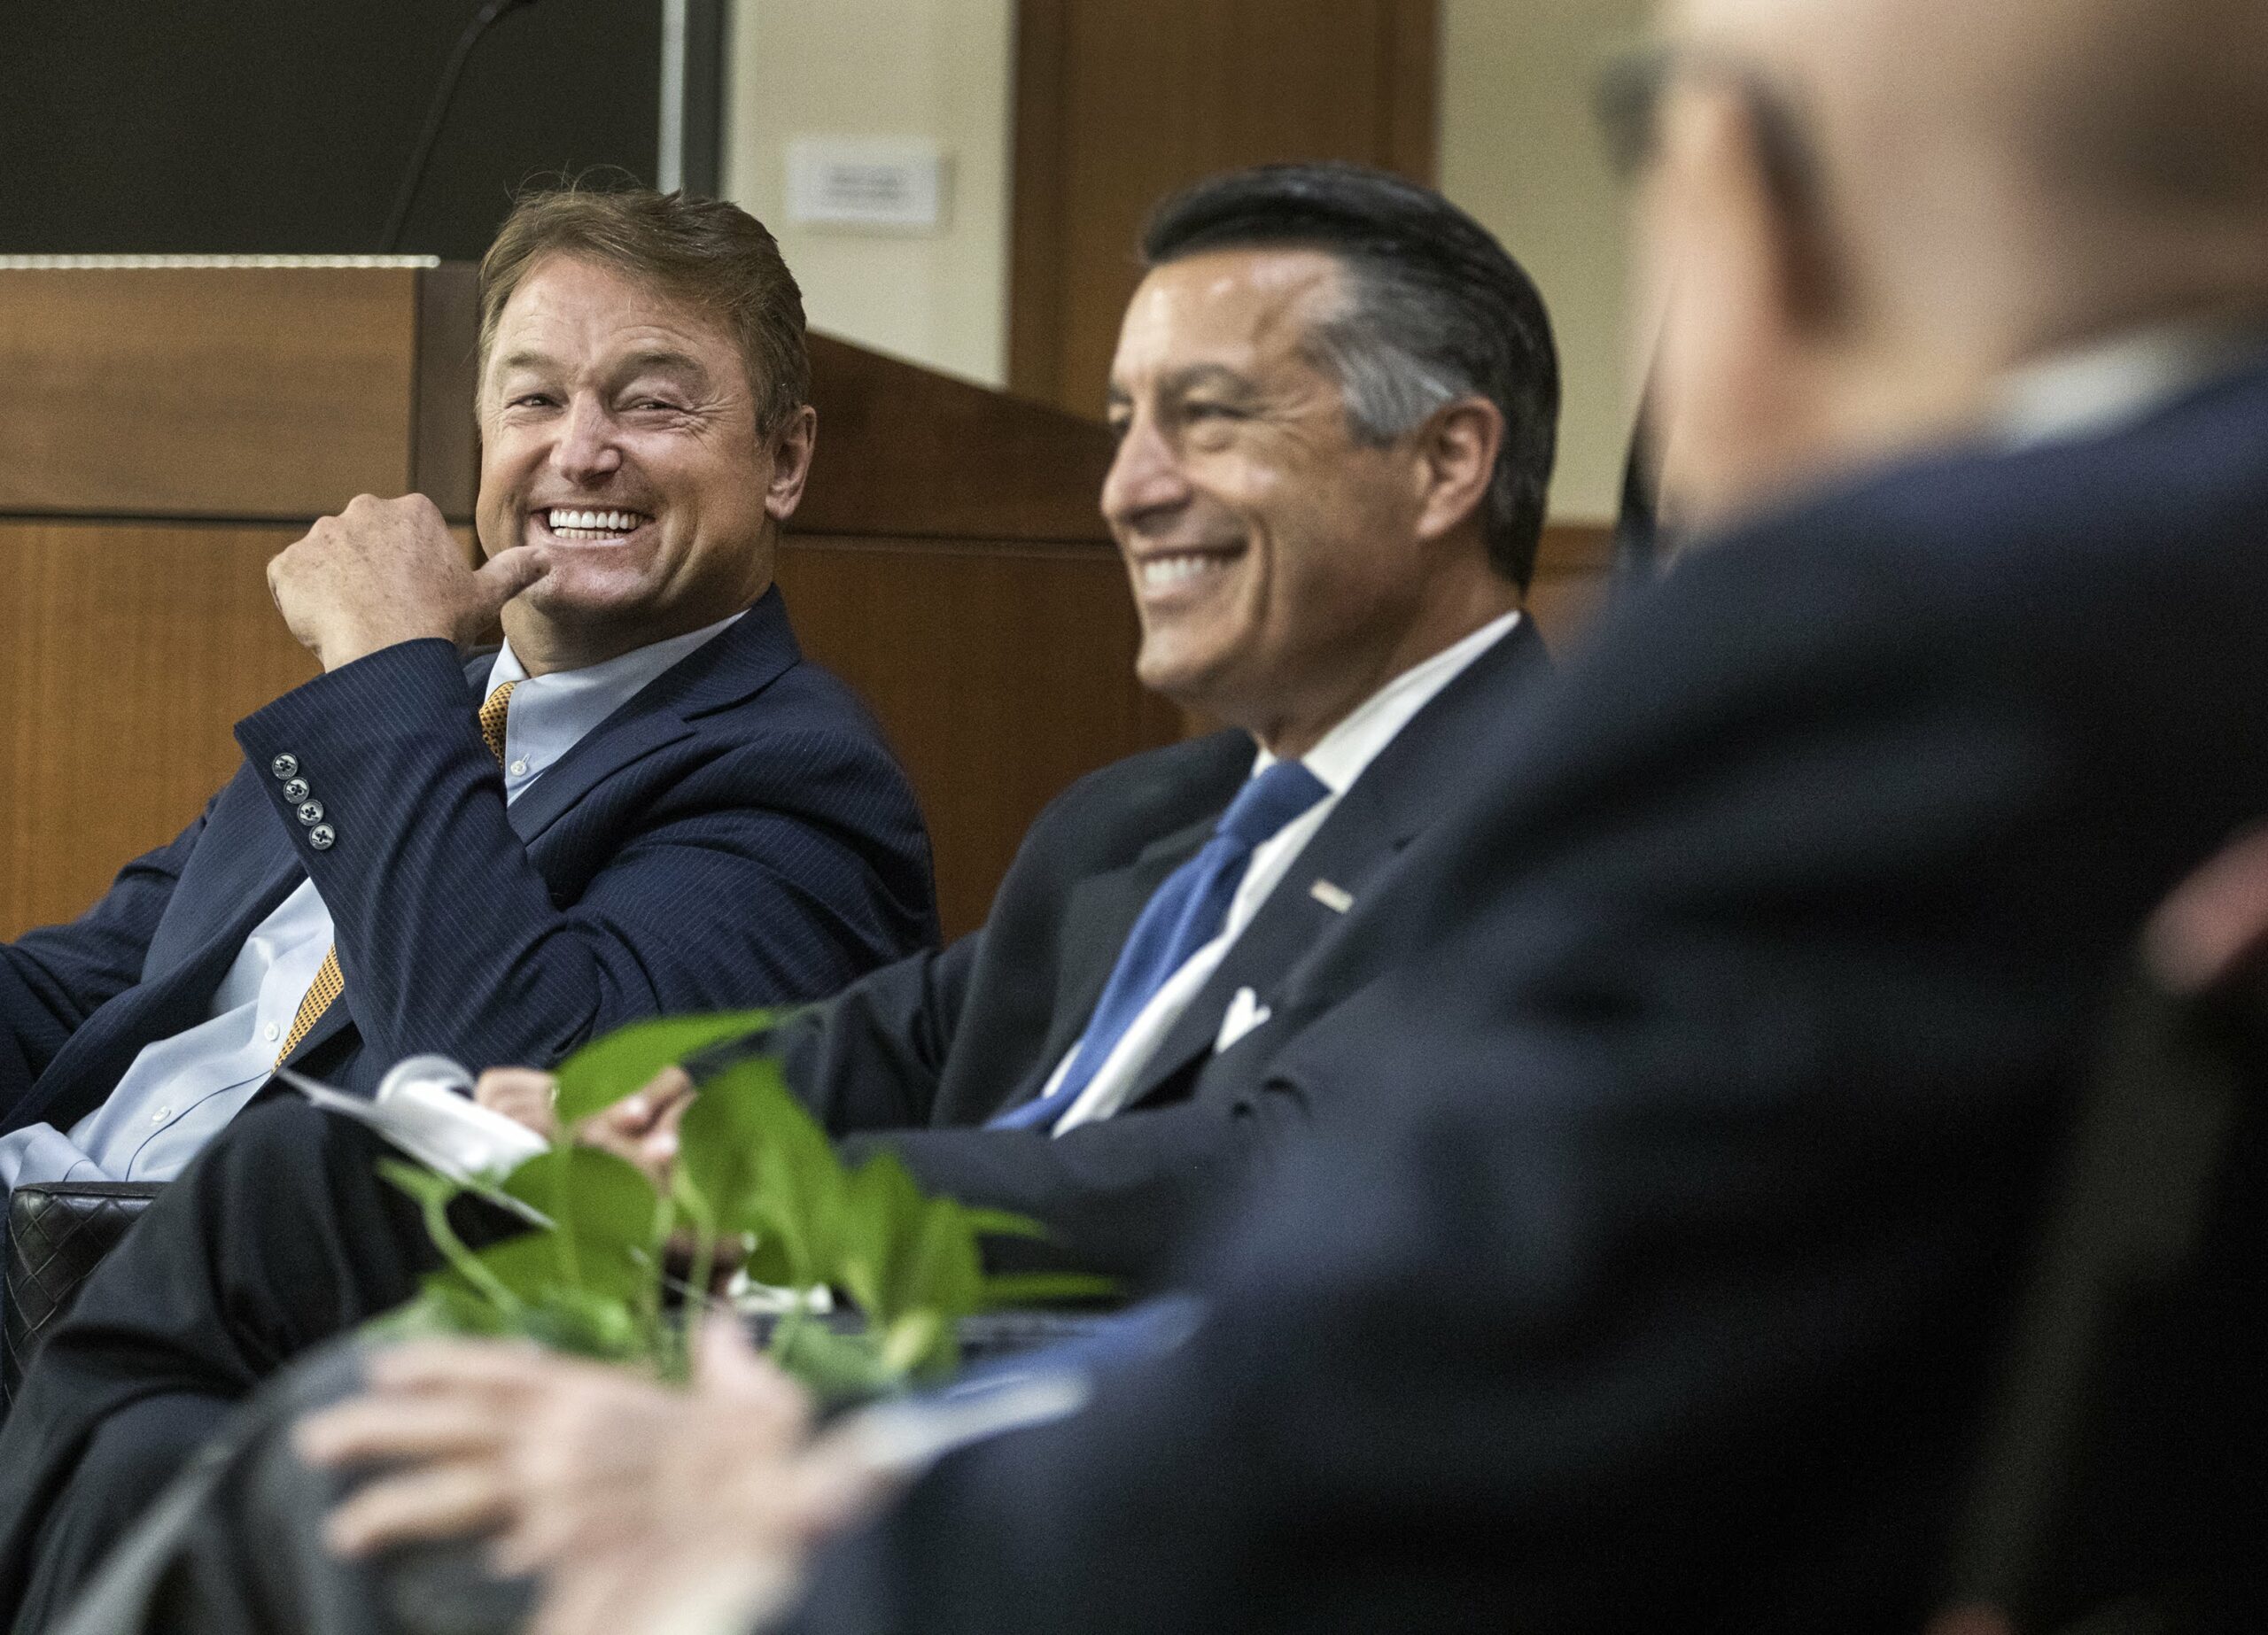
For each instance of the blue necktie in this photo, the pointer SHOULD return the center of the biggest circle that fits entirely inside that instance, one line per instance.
(1185, 914)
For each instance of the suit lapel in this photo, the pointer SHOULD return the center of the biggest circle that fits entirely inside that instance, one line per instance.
(1398, 793)
(1099, 916)
(739, 663)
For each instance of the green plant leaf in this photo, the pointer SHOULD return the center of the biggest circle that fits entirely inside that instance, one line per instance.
(1001, 1223)
(837, 1368)
(881, 1213)
(751, 1160)
(427, 1189)
(941, 1270)
(606, 1227)
(1045, 1289)
(606, 1069)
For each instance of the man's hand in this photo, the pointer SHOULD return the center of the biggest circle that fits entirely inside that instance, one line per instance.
(385, 571)
(638, 1505)
(641, 1127)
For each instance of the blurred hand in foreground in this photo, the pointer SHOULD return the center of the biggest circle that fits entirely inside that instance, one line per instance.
(639, 1508)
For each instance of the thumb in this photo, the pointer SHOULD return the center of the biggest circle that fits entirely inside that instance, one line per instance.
(507, 573)
(727, 1366)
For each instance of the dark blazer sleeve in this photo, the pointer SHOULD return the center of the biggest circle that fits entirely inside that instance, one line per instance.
(873, 1056)
(52, 979)
(729, 890)
(868, 1064)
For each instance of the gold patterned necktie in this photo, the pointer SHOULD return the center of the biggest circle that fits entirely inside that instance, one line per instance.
(330, 980)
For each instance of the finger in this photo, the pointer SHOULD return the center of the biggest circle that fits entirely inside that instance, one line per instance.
(431, 1502)
(671, 1084)
(607, 1139)
(369, 1428)
(729, 1370)
(513, 1082)
(633, 1115)
(833, 1487)
(658, 1149)
(522, 1094)
(508, 572)
(493, 1366)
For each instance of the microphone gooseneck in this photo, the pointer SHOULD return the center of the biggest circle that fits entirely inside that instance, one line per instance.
(437, 115)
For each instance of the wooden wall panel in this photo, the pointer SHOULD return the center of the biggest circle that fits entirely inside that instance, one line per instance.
(1570, 582)
(1120, 102)
(128, 651)
(211, 391)
(1001, 673)
(906, 452)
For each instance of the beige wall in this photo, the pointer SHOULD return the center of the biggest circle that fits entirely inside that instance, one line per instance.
(1519, 151)
(935, 68)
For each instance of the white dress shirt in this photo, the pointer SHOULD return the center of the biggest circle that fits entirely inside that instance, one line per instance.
(2103, 385)
(181, 1092)
(1338, 759)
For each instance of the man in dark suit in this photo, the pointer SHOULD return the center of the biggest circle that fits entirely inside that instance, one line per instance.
(1335, 396)
(646, 801)
(659, 807)
(1731, 1033)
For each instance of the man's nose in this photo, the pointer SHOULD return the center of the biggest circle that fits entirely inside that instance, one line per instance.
(1146, 480)
(588, 451)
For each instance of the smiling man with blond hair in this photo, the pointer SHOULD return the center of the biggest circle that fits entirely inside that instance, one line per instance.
(645, 801)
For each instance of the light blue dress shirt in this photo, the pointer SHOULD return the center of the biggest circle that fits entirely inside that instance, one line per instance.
(181, 1092)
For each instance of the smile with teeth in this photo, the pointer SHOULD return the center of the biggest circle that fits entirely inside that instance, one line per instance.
(1161, 573)
(574, 525)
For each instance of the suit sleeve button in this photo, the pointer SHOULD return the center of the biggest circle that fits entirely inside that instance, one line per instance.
(284, 767)
(311, 811)
(296, 790)
(322, 836)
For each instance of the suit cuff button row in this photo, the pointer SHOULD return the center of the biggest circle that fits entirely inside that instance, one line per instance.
(321, 835)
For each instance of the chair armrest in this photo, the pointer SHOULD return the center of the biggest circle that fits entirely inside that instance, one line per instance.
(57, 1232)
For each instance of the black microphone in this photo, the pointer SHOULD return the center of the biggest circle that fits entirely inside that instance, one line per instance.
(439, 114)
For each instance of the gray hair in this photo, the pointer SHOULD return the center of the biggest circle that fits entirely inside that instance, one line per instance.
(1435, 310)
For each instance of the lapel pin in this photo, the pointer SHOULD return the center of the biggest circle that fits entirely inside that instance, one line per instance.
(1338, 899)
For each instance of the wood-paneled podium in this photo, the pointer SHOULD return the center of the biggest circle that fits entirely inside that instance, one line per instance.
(168, 424)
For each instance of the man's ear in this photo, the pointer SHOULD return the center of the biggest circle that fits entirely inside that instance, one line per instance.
(1771, 240)
(791, 446)
(1737, 269)
(1457, 458)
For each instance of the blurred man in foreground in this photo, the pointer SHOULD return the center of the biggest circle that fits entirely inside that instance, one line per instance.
(1734, 1026)
(1335, 397)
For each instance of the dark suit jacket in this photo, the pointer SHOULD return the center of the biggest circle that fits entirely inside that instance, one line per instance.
(1732, 1031)
(737, 834)
(918, 1056)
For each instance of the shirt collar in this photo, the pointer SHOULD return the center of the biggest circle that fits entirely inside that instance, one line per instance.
(2101, 385)
(1343, 752)
(552, 712)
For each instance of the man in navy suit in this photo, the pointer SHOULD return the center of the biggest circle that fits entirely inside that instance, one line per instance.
(646, 801)
(1728, 1038)
(1335, 396)
(659, 807)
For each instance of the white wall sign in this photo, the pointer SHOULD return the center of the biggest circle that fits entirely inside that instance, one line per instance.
(877, 184)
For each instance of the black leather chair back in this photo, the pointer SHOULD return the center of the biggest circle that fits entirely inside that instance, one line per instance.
(57, 1232)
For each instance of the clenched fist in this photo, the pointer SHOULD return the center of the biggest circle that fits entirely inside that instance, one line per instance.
(384, 571)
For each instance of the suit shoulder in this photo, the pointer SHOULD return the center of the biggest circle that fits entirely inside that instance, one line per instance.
(1157, 790)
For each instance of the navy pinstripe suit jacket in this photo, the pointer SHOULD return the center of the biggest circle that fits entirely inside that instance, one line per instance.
(735, 834)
